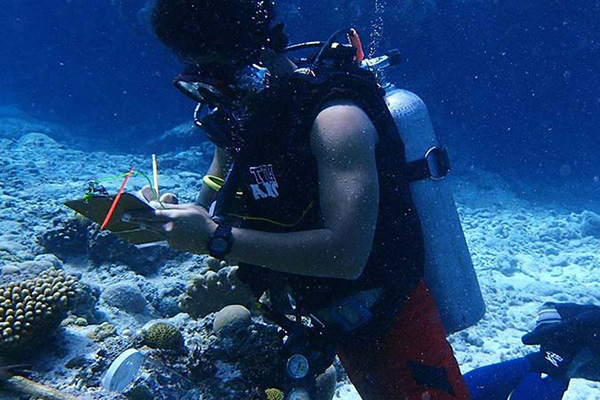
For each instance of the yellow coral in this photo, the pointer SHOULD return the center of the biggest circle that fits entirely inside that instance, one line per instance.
(274, 394)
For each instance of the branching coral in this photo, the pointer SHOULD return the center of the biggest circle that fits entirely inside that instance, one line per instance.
(212, 291)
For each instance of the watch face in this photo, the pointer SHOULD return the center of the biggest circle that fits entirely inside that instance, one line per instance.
(220, 243)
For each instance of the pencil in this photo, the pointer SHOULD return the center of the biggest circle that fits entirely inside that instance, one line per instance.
(116, 200)
(155, 171)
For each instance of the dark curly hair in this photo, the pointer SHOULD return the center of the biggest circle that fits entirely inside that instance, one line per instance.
(234, 28)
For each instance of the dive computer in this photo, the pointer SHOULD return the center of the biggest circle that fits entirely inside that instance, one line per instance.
(220, 243)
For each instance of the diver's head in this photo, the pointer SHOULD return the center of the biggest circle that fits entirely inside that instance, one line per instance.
(220, 41)
(232, 33)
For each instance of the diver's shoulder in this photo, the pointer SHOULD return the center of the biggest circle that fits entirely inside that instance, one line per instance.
(341, 123)
(341, 112)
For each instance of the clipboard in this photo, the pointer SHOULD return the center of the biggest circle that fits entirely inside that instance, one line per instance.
(97, 207)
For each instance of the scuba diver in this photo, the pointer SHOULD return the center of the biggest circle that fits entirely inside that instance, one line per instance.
(326, 224)
(320, 192)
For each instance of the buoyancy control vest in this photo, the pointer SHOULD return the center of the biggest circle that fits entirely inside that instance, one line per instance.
(280, 185)
(416, 215)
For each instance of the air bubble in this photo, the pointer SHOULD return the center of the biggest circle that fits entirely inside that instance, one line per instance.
(377, 24)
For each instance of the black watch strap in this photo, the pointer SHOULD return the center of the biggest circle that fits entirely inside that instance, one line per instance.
(220, 243)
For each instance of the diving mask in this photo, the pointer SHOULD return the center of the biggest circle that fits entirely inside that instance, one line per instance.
(221, 101)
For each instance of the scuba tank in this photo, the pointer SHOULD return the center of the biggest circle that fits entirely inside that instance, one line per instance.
(449, 272)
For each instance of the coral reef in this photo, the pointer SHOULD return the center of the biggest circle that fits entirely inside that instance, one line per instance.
(10, 269)
(76, 236)
(211, 291)
(166, 299)
(102, 331)
(68, 237)
(526, 253)
(163, 336)
(234, 314)
(84, 302)
(274, 394)
(31, 309)
(165, 374)
(106, 247)
(241, 361)
(125, 296)
(590, 225)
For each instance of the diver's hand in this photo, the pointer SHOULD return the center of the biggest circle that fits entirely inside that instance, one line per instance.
(559, 345)
(567, 345)
(187, 227)
(148, 194)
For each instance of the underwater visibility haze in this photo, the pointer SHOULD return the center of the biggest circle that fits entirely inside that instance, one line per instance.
(88, 107)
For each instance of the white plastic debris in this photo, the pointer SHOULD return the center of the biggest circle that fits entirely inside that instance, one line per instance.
(123, 370)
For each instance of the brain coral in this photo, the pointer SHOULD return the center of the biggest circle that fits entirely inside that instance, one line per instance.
(274, 394)
(32, 308)
(163, 336)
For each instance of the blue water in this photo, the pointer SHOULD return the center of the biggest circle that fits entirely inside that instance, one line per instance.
(511, 85)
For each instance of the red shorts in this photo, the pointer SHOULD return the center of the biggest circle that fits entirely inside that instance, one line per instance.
(410, 361)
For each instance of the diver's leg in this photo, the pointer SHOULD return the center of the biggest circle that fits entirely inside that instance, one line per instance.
(411, 360)
(539, 387)
(497, 381)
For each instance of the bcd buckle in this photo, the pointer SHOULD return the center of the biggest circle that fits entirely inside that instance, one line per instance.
(435, 166)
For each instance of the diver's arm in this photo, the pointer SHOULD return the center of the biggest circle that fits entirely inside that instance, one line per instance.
(217, 168)
(343, 140)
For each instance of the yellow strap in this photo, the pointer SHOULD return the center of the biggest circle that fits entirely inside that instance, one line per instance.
(213, 182)
(216, 183)
(248, 218)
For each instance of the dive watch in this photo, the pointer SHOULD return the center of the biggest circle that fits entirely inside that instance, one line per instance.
(220, 243)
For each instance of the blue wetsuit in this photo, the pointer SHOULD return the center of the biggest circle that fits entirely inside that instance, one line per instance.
(513, 379)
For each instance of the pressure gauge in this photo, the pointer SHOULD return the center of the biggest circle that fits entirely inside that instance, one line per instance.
(299, 394)
(297, 366)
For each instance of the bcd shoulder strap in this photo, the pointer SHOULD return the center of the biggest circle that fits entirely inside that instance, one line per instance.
(324, 85)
